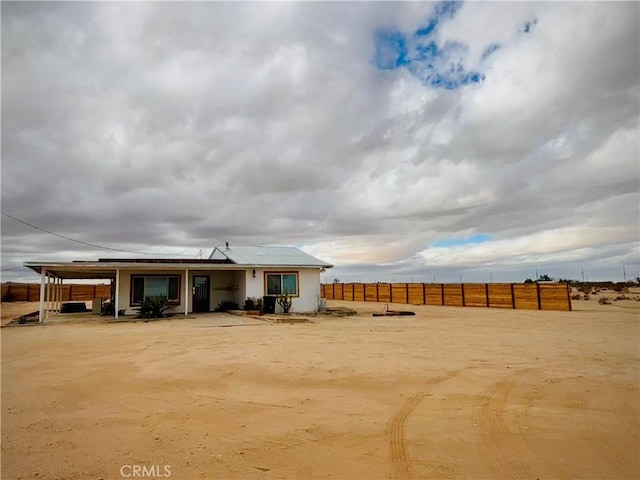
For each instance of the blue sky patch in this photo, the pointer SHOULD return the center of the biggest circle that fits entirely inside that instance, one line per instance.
(437, 65)
(456, 242)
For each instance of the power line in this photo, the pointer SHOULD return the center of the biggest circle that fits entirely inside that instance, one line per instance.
(88, 244)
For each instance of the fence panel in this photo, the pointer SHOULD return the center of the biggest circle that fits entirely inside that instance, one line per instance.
(358, 292)
(525, 296)
(433, 292)
(497, 295)
(416, 293)
(399, 293)
(370, 292)
(475, 295)
(347, 291)
(500, 295)
(30, 292)
(453, 295)
(384, 292)
(555, 296)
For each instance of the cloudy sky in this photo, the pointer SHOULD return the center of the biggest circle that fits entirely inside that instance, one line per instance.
(398, 141)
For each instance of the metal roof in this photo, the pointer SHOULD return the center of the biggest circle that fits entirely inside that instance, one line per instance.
(222, 258)
(267, 256)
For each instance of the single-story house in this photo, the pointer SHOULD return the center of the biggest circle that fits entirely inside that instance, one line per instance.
(232, 273)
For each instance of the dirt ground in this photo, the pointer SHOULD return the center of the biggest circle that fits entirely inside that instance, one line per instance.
(466, 393)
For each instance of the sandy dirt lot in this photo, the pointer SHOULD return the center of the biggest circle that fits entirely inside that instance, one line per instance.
(465, 393)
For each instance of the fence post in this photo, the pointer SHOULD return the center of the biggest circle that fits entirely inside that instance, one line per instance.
(442, 294)
(407, 285)
(462, 290)
(353, 292)
(538, 294)
(377, 292)
(424, 293)
(513, 298)
(486, 293)
(569, 296)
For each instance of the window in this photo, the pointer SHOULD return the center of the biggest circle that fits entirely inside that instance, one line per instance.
(282, 283)
(143, 286)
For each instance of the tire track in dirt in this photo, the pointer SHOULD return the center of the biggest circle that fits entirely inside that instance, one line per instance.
(524, 425)
(396, 426)
(495, 432)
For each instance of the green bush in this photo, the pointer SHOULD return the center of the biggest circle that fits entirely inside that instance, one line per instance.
(226, 305)
(153, 307)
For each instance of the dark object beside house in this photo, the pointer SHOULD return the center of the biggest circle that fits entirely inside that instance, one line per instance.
(73, 307)
(392, 313)
(269, 304)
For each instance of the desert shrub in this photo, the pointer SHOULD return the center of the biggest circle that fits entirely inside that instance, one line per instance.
(252, 303)
(604, 301)
(153, 307)
(621, 297)
(576, 296)
(249, 304)
(285, 302)
(226, 305)
(585, 296)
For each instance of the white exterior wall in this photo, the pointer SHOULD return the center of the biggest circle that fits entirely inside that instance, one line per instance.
(308, 287)
(124, 289)
(226, 285)
(233, 285)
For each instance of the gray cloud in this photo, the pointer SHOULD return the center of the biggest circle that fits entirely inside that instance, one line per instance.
(170, 127)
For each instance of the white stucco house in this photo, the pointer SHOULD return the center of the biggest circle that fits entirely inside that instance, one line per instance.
(231, 273)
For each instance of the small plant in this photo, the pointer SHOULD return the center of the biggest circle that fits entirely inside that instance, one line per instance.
(258, 305)
(153, 307)
(586, 296)
(251, 304)
(226, 305)
(577, 296)
(621, 297)
(285, 302)
(604, 301)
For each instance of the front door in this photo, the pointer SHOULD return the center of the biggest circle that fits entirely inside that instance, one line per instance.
(201, 293)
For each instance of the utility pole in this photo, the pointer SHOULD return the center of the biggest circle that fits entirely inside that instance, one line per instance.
(582, 270)
(460, 278)
(624, 273)
(490, 278)
(537, 274)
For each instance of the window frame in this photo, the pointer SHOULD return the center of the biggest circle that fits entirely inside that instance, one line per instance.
(144, 275)
(281, 273)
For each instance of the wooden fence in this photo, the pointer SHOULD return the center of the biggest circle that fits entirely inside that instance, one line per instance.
(30, 292)
(533, 296)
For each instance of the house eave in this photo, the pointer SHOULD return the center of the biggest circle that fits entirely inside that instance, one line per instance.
(100, 270)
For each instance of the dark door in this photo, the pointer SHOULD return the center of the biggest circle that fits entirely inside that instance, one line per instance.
(201, 293)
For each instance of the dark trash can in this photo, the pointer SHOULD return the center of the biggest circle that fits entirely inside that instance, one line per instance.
(73, 307)
(269, 304)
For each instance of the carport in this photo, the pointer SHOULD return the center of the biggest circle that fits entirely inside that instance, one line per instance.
(53, 274)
